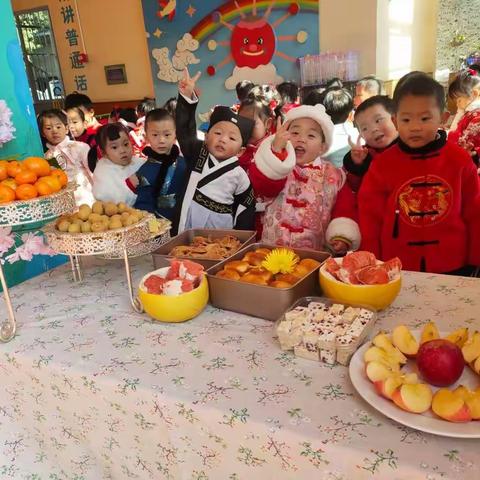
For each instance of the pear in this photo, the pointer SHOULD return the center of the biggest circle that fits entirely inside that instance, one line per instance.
(97, 207)
(83, 212)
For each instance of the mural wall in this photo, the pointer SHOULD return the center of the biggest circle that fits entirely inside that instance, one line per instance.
(227, 42)
(458, 34)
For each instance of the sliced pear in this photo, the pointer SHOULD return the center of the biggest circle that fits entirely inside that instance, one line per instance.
(403, 339)
(429, 332)
(458, 337)
(471, 348)
(383, 341)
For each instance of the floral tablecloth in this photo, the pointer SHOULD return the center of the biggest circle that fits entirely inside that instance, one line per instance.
(91, 390)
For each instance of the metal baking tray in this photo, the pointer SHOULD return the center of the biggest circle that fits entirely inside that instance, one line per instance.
(258, 300)
(161, 256)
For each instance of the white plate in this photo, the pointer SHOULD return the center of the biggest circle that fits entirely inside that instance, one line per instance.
(426, 422)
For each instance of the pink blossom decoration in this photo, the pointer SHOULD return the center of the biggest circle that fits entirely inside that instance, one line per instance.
(6, 240)
(32, 245)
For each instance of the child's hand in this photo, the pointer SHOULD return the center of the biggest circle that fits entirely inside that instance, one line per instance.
(186, 86)
(133, 179)
(339, 247)
(281, 137)
(359, 152)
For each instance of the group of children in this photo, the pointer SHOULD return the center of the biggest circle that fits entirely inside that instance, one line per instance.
(405, 189)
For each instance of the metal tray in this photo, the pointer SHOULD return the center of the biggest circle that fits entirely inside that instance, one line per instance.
(161, 256)
(258, 300)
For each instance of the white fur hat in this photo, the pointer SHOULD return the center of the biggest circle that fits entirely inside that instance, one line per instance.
(316, 113)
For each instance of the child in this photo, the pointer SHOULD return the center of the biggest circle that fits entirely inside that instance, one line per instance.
(85, 104)
(162, 176)
(77, 126)
(243, 88)
(338, 104)
(465, 129)
(114, 179)
(420, 199)
(218, 192)
(144, 107)
(288, 91)
(302, 187)
(373, 119)
(365, 88)
(137, 135)
(69, 154)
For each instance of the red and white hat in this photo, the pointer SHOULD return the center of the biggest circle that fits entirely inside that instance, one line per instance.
(316, 113)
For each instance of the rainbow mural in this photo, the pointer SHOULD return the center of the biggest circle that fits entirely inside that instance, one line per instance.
(229, 11)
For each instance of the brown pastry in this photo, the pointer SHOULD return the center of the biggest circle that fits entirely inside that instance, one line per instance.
(254, 278)
(268, 276)
(254, 258)
(263, 251)
(230, 274)
(239, 265)
(310, 263)
(301, 271)
(287, 277)
(280, 284)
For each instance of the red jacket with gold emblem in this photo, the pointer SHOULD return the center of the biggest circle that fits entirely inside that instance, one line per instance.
(422, 205)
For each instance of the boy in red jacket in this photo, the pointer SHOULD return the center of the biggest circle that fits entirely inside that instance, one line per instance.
(420, 199)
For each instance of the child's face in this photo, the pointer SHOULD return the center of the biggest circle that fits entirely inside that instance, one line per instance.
(75, 123)
(463, 101)
(418, 119)
(54, 130)
(119, 151)
(89, 115)
(306, 136)
(161, 135)
(224, 140)
(360, 96)
(260, 129)
(376, 126)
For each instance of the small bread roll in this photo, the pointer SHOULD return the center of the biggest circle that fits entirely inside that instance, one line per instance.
(239, 265)
(286, 277)
(254, 278)
(263, 251)
(230, 274)
(280, 284)
(310, 263)
(301, 271)
(268, 276)
(254, 258)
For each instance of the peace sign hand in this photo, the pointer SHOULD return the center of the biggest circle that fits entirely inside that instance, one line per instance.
(359, 152)
(186, 85)
(281, 137)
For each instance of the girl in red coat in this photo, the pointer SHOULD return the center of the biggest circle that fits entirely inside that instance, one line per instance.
(465, 129)
(420, 199)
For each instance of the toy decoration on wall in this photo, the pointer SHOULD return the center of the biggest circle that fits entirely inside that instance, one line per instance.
(167, 9)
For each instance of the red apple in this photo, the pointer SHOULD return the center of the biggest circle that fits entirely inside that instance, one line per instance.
(440, 362)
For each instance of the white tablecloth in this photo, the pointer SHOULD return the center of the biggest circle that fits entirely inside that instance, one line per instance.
(91, 390)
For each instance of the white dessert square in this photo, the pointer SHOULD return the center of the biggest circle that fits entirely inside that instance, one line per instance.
(328, 355)
(349, 314)
(305, 351)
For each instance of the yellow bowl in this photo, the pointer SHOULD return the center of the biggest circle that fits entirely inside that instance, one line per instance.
(174, 309)
(377, 297)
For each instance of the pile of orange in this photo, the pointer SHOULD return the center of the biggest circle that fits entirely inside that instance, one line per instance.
(30, 178)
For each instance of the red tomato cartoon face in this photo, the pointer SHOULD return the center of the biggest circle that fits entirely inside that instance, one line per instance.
(252, 43)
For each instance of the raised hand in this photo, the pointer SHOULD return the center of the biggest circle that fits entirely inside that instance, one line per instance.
(281, 137)
(186, 85)
(359, 152)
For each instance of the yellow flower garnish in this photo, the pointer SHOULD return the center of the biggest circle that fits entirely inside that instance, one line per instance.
(280, 260)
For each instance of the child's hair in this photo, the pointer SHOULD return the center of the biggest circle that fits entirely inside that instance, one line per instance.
(171, 106)
(78, 110)
(258, 106)
(128, 114)
(338, 103)
(288, 91)
(313, 97)
(158, 115)
(111, 132)
(53, 113)
(419, 84)
(145, 106)
(383, 100)
(77, 100)
(464, 84)
(371, 84)
(243, 89)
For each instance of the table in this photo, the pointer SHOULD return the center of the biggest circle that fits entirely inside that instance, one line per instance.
(91, 390)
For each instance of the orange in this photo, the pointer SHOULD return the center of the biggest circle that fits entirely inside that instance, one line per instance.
(38, 165)
(61, 175)
(26, 192)
(6, 194)
(14, 168)
(28, 176)
(43, 188)
(3, 170)
(52, 181)
(10, 182)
